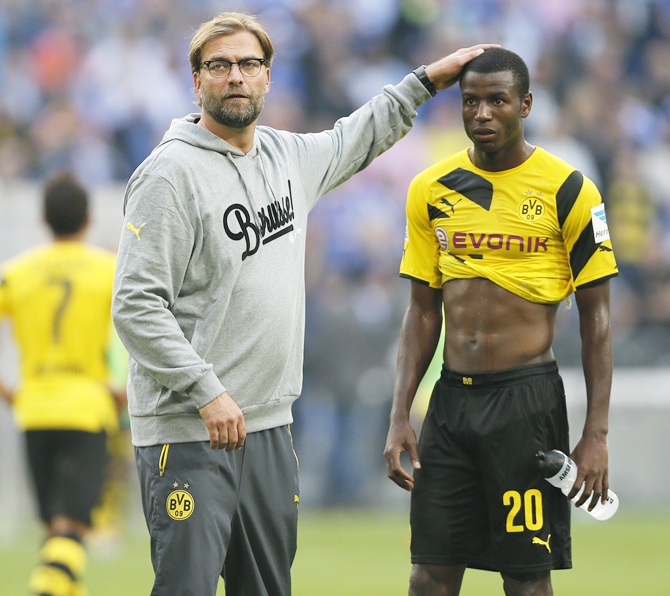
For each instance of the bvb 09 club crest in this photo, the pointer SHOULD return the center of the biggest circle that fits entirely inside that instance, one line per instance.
(180, 505)
(532, 209)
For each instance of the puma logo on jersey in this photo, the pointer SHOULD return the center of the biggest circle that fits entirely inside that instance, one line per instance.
(537, 540)
(135, 230)
(451, 206)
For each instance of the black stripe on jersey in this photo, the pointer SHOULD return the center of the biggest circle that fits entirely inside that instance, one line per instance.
(470, 185)
(423, 282)
(461, 260)
(61, 567)
(435, 213)
(595, 282)
(583, 250)
(567, 195)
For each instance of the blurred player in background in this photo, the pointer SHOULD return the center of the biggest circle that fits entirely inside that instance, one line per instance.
(58, 300)
(498, 235)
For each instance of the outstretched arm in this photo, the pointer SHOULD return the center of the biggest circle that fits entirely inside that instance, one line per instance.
(590, 453)
(329, 158)
(419, 336)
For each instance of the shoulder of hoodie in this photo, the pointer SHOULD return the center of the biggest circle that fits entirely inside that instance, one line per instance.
(269, 136)
(167, 160)
(165, 165)
(300, 148)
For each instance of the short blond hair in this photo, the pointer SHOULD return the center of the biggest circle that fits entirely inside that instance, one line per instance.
(224, 24)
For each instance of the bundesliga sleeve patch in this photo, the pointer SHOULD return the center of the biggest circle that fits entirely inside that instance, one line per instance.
(601, 232)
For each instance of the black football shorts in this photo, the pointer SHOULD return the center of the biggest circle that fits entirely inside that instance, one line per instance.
(68, 469)
(479, 498)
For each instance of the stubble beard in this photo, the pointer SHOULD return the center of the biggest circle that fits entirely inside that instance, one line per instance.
(237, 113)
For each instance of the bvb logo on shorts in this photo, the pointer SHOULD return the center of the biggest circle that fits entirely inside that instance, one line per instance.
(532, 209)
(180, 505)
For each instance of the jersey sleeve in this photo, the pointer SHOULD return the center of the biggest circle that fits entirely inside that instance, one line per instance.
(586, 236)
(421, 250)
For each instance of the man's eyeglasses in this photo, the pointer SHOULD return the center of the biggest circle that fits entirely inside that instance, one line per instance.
(220, 69)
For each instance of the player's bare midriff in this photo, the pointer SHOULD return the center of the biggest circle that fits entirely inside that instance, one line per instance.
(488, 328)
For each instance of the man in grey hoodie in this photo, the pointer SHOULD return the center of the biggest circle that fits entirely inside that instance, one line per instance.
(209, 301)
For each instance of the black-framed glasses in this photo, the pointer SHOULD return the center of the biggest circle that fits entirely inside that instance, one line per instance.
(220, 69)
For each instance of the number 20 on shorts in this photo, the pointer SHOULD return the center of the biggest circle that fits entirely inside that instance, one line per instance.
(526, 508)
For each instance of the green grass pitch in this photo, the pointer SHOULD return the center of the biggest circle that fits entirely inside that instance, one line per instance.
(365, 553)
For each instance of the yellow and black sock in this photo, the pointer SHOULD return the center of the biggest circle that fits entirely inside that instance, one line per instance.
(61, 566)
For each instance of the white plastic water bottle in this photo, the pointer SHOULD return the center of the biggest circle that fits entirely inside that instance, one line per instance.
(561, 471)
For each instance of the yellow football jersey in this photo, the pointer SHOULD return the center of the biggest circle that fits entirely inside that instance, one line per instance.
(58, 298)
(538, 230)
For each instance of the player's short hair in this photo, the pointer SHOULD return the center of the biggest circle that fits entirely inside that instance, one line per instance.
(65, 204)
(225, 24)
(501, 60)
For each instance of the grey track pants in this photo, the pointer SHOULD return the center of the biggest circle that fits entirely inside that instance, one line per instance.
(214, 513)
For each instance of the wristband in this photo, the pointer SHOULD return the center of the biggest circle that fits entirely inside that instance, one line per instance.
(425, 81)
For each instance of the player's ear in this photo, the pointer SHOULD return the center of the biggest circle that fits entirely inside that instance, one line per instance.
(526, 105)
(197, 85)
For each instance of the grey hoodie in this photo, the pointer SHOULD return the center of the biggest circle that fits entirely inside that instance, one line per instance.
(209, 289)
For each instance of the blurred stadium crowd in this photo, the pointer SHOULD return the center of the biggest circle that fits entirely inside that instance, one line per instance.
(91, 85)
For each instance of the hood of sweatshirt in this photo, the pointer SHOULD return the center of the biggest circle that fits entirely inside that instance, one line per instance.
(188, 130)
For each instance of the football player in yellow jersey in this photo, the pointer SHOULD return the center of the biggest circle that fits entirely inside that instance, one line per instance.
(58, 300)
(497, 236)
